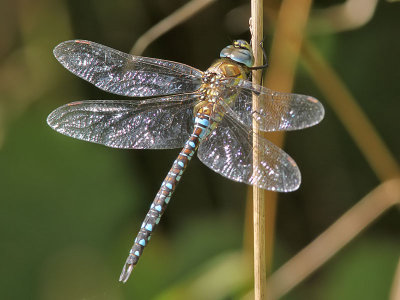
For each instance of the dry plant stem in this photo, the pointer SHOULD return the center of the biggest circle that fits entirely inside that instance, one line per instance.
(290, 25)
(260, 272)
(335, 237)
(395, 291)
(287, 43)
(173, 20)
(357, 124)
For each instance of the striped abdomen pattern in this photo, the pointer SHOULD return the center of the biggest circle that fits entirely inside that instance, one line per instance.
(201, 129)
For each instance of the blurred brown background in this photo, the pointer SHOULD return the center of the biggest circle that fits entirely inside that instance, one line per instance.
(69, 210)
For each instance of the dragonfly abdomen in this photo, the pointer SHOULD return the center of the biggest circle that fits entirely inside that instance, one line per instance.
(157, 208)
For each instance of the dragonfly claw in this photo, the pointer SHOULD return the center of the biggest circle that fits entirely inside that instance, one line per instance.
(126, 272)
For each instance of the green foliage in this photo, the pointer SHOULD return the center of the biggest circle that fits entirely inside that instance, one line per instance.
(69, 210)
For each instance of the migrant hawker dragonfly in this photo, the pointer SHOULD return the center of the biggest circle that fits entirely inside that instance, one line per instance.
(210, 112)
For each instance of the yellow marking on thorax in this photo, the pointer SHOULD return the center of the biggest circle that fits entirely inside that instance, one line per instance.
(228, 68)
(214, 90)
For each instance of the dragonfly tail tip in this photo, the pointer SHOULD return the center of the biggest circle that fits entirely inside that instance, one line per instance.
(126, 272)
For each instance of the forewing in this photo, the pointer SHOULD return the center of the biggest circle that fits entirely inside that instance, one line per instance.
(228, 150)
(157, 123)
(123, 74)
(277, 111)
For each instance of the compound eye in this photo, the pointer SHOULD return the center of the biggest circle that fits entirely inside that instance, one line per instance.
(240, 51)
(242, 44)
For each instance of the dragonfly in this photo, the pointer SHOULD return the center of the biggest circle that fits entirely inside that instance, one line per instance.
(210, 112)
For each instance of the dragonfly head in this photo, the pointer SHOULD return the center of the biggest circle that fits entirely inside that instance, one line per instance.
(240, 51)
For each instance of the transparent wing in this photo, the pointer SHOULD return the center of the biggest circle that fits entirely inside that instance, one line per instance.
(123, 74)
(277, 111)
(229, 151)
(157, 123)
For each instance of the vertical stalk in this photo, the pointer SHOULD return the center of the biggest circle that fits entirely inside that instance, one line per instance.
(258, 194)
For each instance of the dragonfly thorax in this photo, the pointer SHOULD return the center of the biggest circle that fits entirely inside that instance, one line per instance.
(226, 67)
(214, 90)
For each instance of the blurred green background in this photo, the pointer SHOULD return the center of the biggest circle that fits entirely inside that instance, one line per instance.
(69, 210)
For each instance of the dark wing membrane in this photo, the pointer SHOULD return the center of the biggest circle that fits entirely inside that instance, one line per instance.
(157, 123)
(277, 111)
(228, 150)
(123, 74)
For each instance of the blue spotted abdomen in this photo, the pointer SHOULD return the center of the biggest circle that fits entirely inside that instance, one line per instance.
(157, 208)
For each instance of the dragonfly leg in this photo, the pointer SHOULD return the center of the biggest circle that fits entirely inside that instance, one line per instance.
(265, 65)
